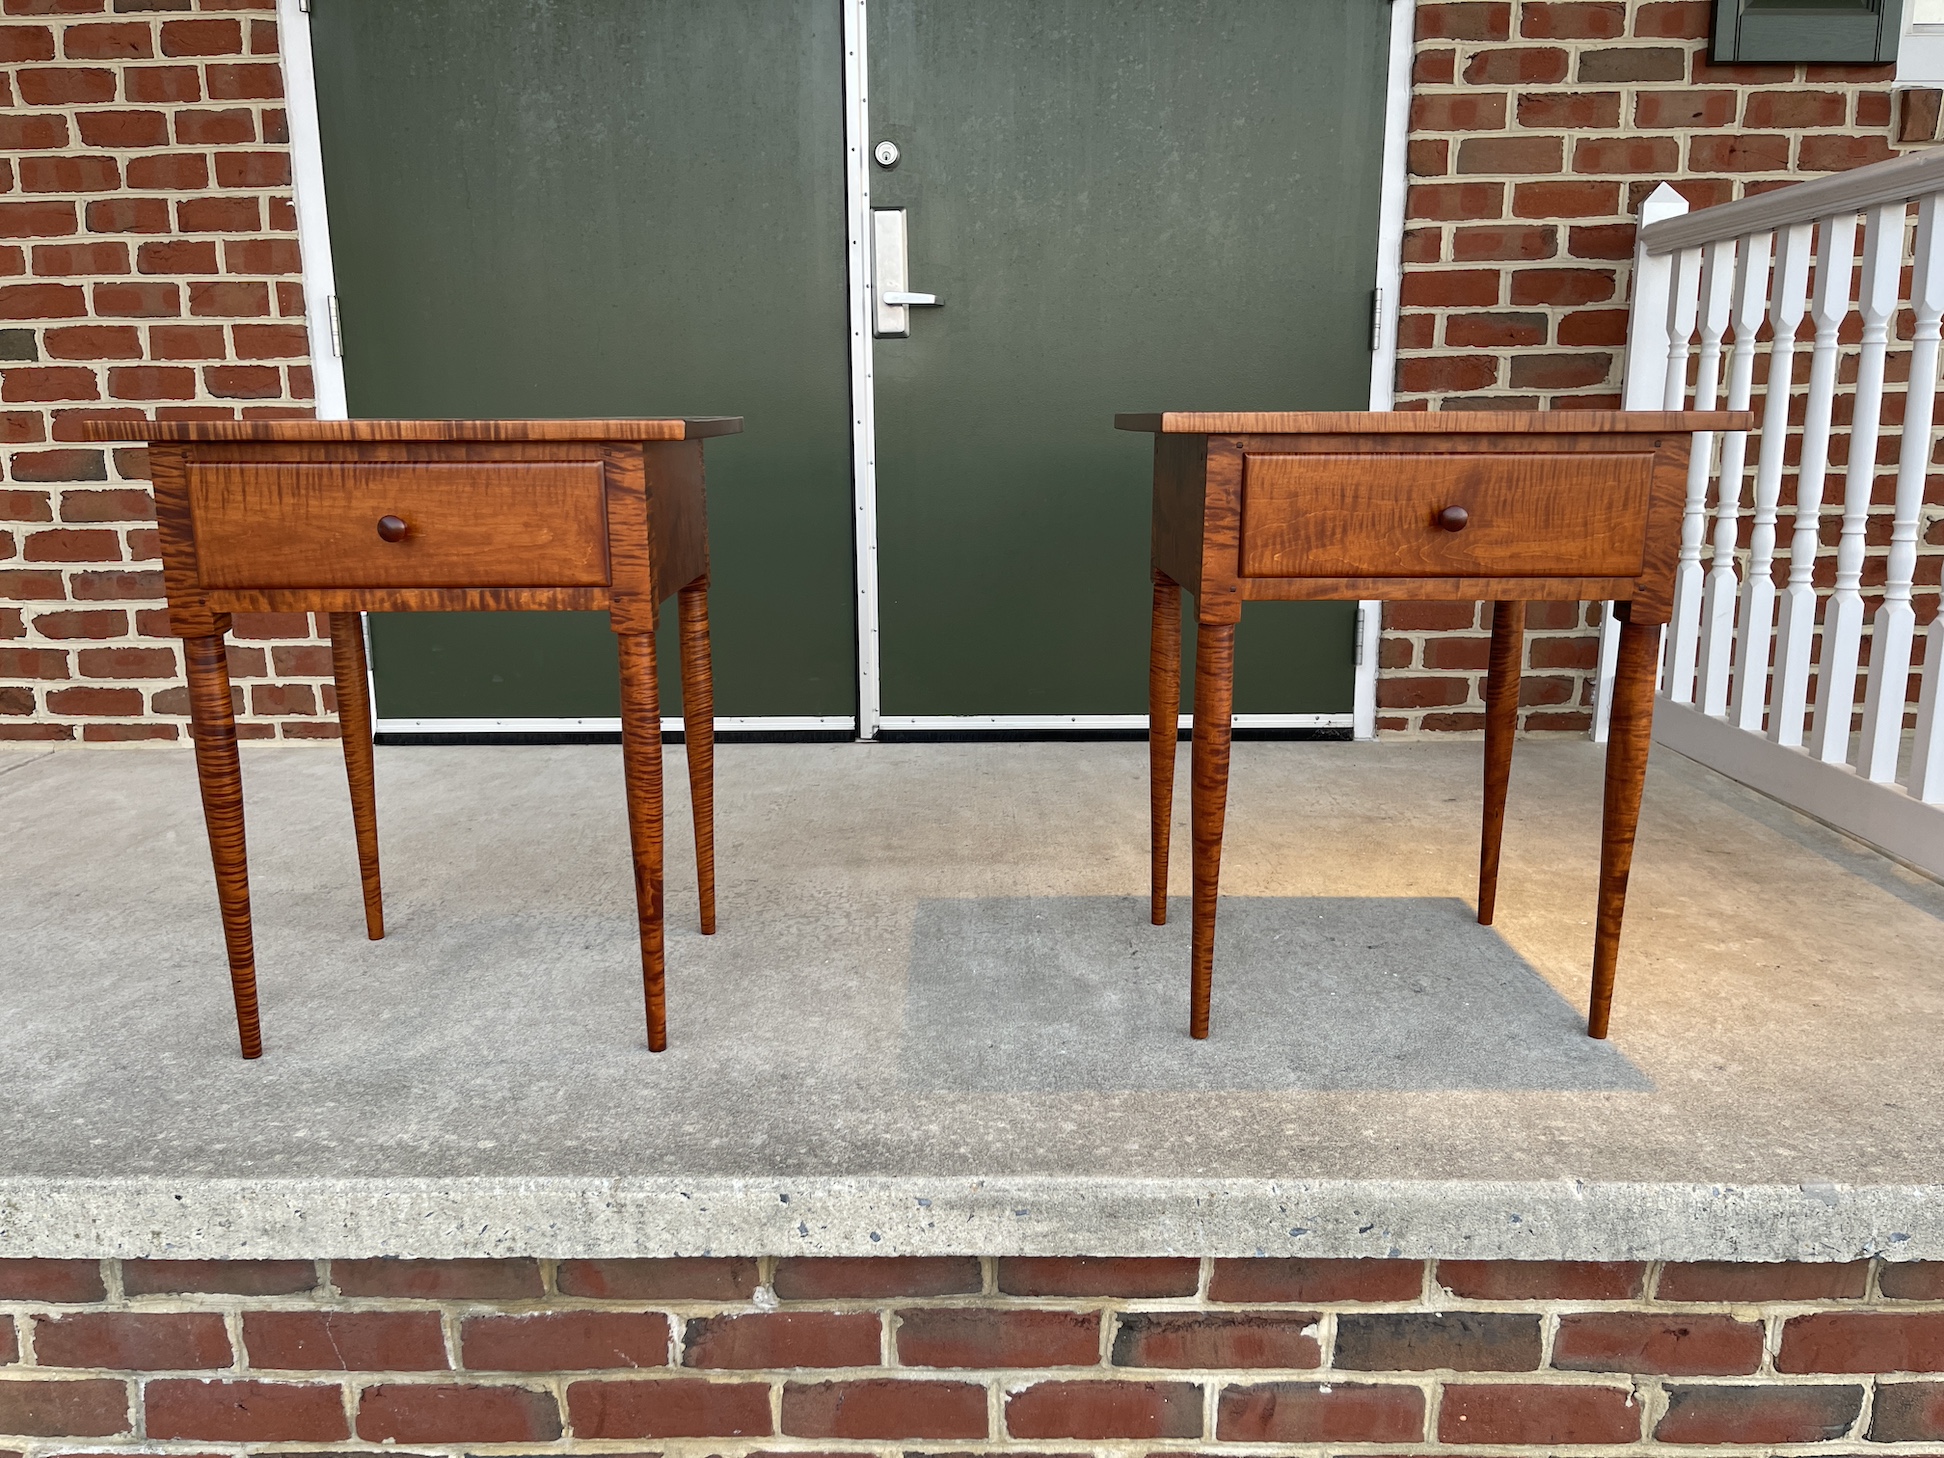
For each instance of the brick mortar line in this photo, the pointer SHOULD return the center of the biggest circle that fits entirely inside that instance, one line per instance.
(1433, 1410)
(1653, 1406)
(1550, 1378)
(1007, 1443)
(1866, 1410)
(1743, 1312)
(1013, 1379)
(1027, 1307)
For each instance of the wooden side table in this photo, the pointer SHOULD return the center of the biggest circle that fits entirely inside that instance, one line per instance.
(350, 516)
(1510, 507)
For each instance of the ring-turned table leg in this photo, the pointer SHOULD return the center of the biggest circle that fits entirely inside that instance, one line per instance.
(1164, 719)
(698, 720)
(354, 727)
(641, 754)
(1630, 734)
(1209, 771)
(1501, 725)
(213, 722)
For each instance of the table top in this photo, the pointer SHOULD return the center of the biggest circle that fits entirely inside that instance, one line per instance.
(1423, 422)
(672, 428)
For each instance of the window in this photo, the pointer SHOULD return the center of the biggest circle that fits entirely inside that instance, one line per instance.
(1809, 30)
(1920, 59)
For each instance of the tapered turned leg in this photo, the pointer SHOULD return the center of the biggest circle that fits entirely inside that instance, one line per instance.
(698, 719)
(1164, 719)
(641, 756)
(1629, 736)
(354, 726)
(221, 776)
(1501, 724)
(1209, 770)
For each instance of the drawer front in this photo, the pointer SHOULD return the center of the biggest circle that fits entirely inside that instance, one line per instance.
(1528, 515)
(284, 524)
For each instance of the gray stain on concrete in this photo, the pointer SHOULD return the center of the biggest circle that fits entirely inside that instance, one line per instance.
(1080, 993)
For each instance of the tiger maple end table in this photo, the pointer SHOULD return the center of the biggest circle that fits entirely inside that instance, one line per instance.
(350, 516)
(1511, 507)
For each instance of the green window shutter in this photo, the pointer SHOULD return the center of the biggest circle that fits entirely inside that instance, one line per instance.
(1807, 30)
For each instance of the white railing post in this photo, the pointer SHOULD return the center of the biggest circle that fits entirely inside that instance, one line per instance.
(1787, 304)
(1842, 633)
(1715, 295)
(1719, 596)
(1648, 347)
(1648, 321)
(1796, 628)
(1896, 623)
(1927, 754)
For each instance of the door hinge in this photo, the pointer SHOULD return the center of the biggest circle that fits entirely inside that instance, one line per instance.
(337, 328)
(1376, 320)
(304, 6)
(1361, 610)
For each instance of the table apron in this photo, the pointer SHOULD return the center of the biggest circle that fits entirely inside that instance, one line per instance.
(409, 599)
(1438, 589)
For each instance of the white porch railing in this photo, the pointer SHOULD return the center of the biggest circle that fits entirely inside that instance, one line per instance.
(1763, 679)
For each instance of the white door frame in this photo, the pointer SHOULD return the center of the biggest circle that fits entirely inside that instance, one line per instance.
(327, 368)
(1390, 287)
(1362, 720)
(313, 230)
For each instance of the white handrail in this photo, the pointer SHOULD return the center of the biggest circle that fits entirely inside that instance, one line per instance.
(1901, 179)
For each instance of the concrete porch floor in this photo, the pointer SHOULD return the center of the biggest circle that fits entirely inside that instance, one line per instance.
(934, 966)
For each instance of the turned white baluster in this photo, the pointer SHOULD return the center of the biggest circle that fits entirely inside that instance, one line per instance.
(1796, 626)
(1683, 304)
(1895, 626)
(1719, 595)
(1927, 755)
(1842, 630)
(1787, 303)
(1713, 294)
(1644, 389)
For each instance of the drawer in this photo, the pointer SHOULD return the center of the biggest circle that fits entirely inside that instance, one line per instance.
(1529, 515)
(511, 524)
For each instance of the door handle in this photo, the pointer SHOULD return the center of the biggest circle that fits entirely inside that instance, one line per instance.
(891, 296)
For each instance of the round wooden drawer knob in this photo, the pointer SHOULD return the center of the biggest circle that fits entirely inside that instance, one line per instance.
(392, 528)
(1452, 518)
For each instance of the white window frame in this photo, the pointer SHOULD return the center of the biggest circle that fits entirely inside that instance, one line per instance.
(1920, 50)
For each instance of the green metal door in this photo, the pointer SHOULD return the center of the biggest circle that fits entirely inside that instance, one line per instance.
(1122, 205)
(602, 208)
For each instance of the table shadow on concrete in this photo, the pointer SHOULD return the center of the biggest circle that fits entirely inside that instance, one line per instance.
(1043, 994)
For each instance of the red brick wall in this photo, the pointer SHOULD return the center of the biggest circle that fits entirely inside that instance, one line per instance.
(148, 264)
(1538, 126)
(874, 1354)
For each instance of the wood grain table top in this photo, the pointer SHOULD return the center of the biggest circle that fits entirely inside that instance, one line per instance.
(1421, 422)
(672, 428)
